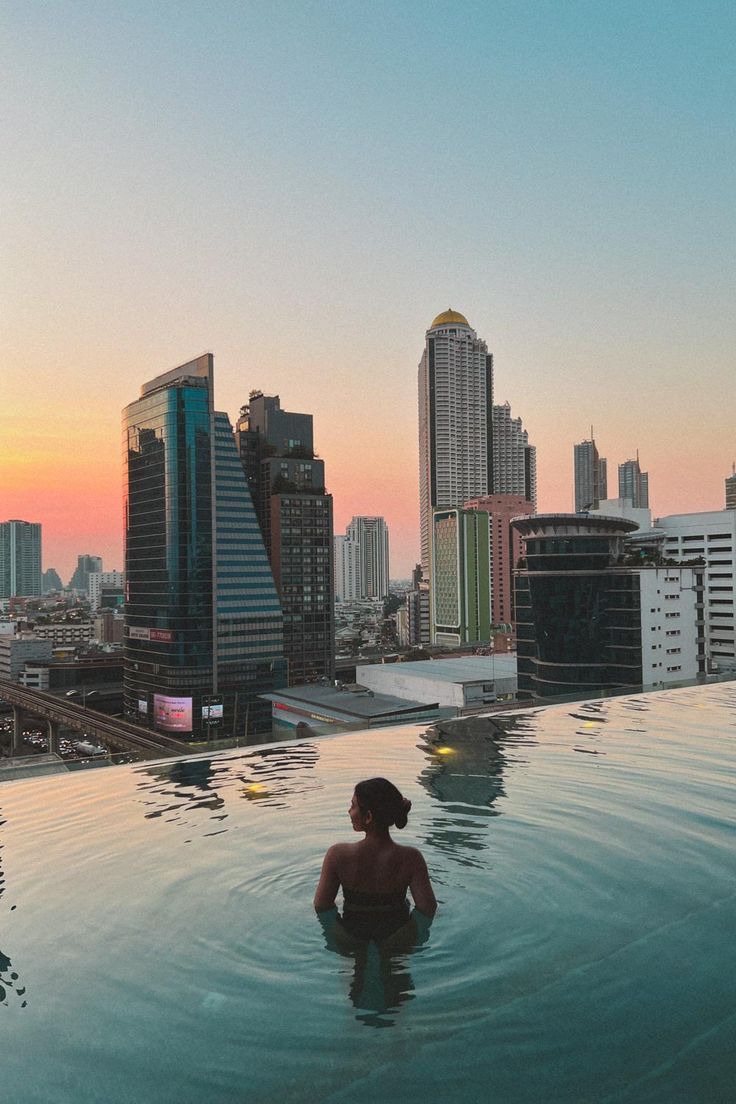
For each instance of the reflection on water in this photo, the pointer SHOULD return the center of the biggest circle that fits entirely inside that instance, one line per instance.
(270, 776)
(464, 773)
(381, 981)
(9, 980)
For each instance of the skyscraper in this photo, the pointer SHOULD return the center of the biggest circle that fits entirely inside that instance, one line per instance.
(633, 483)
(591, 483)
(86, 565)
(455, 416)
(203, 624)
(731, 490)
(514, 459)
(347, 569)
(295, 514)
(371, 536)
(20, 559)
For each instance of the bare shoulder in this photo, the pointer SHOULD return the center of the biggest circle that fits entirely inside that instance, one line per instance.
(414, 855)
(338, 851)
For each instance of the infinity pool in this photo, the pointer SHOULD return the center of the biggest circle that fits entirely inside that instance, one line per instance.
(157, 940)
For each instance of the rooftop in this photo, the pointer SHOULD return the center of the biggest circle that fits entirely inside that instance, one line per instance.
(462, 669)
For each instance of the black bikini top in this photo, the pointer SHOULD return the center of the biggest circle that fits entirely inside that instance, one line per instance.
(357, 901)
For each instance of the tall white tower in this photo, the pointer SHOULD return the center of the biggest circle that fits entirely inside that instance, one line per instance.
(455, 420)
(370, 534)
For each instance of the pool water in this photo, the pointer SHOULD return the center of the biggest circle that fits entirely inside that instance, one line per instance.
(158, 943)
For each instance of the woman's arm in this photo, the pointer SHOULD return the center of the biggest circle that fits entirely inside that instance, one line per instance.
(329, 881)
(421, 887)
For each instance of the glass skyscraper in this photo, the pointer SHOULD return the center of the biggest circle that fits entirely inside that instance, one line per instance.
(204, 629)
(20, 559)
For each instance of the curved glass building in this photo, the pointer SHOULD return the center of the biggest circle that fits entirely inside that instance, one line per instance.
(578, 610)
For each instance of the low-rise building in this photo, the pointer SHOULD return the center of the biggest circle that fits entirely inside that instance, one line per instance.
(329, 707)
(462, 684)
(17, 650)
(62, 633)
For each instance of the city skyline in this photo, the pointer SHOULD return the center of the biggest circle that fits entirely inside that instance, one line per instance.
(257, 185)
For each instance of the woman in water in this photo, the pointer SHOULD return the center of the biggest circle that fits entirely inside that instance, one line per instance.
(376, 872)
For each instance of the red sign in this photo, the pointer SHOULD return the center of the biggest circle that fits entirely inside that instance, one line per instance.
(162, 634)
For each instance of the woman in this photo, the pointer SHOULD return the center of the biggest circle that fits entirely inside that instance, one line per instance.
(376, 872)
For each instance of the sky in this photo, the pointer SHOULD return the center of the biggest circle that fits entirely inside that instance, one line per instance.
(301, 187)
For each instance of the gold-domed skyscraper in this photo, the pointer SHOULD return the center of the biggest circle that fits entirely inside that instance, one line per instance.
(455, 420)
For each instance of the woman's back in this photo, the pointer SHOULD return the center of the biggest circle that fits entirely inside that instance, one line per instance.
(377, 867)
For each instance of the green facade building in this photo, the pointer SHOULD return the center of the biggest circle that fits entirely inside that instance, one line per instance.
(461, 577)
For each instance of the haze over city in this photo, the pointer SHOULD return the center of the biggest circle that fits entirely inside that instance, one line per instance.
(301, 192)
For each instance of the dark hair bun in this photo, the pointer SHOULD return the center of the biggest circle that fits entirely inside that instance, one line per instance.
(402, 815)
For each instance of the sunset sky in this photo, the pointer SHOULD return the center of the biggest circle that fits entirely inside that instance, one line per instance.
(301, 187)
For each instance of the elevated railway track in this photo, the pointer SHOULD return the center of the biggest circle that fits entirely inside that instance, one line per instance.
(113, 732)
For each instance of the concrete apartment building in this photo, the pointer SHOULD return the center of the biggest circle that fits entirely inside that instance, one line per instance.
(371, 536)
(712, 536)
(17, 650)
(347, 569)
(97, 581)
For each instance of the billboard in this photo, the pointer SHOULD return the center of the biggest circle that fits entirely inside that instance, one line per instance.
(212, 709)
(172, 714)
(142, 705)
(138, 632)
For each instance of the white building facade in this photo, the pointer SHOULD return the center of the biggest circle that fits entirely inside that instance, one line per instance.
(370, 535)
(712, 536)
(672, 640)
(347, 570)
(99, 579)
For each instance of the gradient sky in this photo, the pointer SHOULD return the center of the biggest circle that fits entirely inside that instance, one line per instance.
(301, 187)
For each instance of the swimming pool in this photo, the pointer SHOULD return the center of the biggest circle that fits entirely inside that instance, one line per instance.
(157, 941)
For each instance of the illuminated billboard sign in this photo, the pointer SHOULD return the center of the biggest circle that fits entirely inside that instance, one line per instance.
(138, 632)
(142, 705)
(212, 709)
(172, 714)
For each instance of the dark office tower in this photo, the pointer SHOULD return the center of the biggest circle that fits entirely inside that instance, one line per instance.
(20, 559)
(590, 476)
(731, 490)
(203, 625)
(295, 513)
(85, 566)
(51, 581)
(633, 483)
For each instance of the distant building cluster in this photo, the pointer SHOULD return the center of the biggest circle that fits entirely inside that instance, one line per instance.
(591, 479)
(237, 593)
